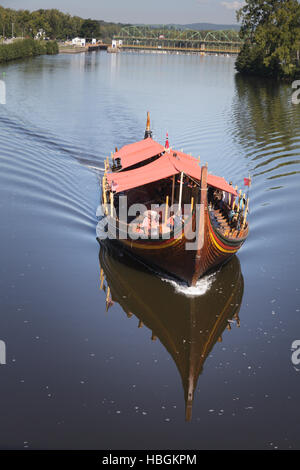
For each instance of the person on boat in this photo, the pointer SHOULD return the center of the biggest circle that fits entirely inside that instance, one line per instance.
(177, 220)
(217, 198)
(210, 194)
(168, 226)
(150, 223)
(231, 214)
(170, 222)
(225, 198)
(139, 228)
(226, 206)
(236, 220)
(114, 186)
(147, 222)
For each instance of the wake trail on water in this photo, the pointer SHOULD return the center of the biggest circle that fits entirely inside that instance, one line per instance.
(202, 286)
(44, 137)
(34, 172)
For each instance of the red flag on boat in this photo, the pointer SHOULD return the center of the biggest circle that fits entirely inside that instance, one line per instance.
(247, 181)
(167, 142)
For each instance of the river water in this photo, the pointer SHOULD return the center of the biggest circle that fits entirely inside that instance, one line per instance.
(85, 373)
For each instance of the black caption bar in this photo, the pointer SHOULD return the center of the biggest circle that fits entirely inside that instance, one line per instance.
(104, 458)
(114, 458)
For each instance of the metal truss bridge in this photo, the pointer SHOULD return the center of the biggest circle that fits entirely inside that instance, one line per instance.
(168, 39)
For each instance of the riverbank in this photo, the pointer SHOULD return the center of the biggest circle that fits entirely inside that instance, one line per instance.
(70, 49)
(252, 62)
(67, 48)
(26, 48)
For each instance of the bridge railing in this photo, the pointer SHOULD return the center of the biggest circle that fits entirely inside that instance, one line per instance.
(139, 37)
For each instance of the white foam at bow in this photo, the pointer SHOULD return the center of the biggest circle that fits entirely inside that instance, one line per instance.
(202, 286)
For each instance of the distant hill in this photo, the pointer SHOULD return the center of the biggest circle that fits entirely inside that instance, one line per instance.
(211, 26)
(199, 26)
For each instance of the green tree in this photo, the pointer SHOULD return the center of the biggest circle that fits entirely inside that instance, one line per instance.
(271, 31)
(54, 23)
(27, 48)
(90, 29)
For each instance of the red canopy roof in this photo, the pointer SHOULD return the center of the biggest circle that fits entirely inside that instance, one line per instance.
(190, 166)
(164, 167)
(155, 171)
(220, 183)
(135, 153)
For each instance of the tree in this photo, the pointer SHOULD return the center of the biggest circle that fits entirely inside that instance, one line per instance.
(271, 31)
(57, 25)
(90, 29)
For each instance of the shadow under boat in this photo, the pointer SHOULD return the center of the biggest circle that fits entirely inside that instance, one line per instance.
(188, 326)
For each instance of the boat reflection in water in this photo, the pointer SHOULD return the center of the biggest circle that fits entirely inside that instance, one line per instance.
(186, 323)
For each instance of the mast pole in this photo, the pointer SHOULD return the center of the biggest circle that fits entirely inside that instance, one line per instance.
(239, 201)
(192, 204)
(201, 224)
(246, 212)
(111, 204)
(180, 191)
(166, 209)
(173, 190)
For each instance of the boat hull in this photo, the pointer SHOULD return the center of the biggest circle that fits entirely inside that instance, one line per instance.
(173, 257)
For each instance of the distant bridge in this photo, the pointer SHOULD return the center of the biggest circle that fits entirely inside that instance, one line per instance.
(145, 37)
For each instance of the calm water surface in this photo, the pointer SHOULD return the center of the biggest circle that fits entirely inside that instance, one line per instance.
(84, 373)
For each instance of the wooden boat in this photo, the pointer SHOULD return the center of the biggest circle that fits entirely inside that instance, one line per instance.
(188, 327)
(202, 219)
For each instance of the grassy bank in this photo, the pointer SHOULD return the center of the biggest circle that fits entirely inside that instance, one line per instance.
(26, 48)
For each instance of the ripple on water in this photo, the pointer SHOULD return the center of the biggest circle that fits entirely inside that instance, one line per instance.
(38, 172)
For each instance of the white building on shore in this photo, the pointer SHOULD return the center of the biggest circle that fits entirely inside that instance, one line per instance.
(79, 42)
(115, 44)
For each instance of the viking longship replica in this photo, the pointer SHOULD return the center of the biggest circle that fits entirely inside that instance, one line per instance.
(191, 221)
(188, 327)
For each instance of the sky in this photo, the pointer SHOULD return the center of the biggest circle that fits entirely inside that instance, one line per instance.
(140, 11)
